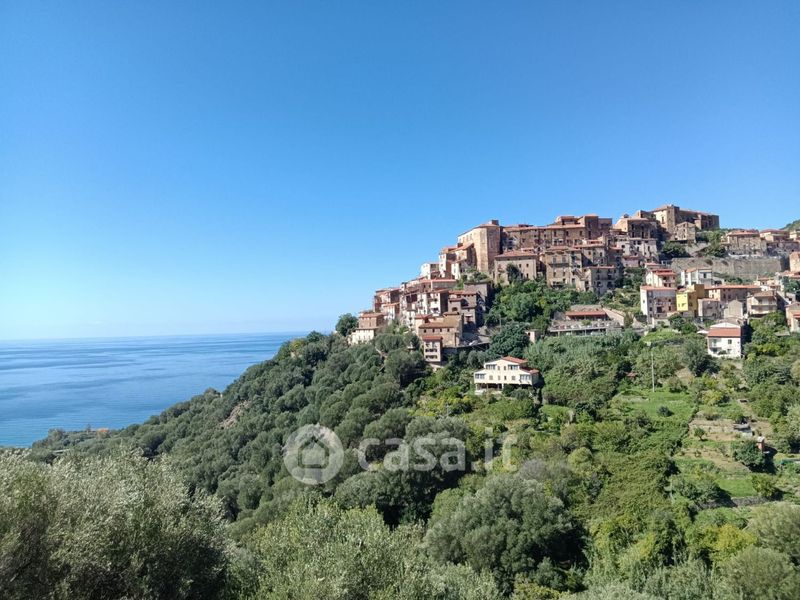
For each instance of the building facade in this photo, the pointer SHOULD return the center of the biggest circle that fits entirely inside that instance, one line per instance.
(506, 372)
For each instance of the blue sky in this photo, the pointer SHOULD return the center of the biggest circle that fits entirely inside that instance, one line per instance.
(198, 167)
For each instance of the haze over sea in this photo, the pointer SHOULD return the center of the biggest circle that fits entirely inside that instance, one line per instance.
(114, 382)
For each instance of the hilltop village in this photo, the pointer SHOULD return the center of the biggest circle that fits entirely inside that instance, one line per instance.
(644, 269)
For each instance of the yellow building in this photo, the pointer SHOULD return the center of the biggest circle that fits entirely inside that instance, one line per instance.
(686, 299)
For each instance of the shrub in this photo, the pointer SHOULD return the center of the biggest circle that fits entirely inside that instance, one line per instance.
(747, 453)
(764, 485)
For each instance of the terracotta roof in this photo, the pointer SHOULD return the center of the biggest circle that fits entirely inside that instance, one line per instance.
(517, 254)
(725, 332)
(518, 361)
(432, 338)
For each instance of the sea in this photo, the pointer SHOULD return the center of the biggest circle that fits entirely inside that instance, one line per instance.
(112, 383)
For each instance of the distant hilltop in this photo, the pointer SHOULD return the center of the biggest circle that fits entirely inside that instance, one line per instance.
(444, 304)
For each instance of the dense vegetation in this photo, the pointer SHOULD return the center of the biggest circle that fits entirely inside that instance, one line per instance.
(621, 477)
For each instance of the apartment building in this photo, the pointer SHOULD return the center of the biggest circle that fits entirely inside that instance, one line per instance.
(709, 309)
(599, 279)
(525, 262)
(562, 265)
(448, 327)
(660, 277)
(506, 372)
(763, 303)
(727, 292)
(369, 323)
(646, 248)
(433, 348)
(455, 261)
(701, 276)
(657, 303)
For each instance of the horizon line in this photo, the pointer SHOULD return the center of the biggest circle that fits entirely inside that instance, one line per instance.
(160, 335)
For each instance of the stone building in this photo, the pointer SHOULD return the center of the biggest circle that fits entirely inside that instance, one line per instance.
(526, 263)
(485, 239)
(745, 242)
(670, 216)
(794, 262)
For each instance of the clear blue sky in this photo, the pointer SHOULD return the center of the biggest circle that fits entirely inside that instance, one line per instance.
(192, 167)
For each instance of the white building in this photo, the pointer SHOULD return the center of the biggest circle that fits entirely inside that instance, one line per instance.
(725, 340)
(498, 374)
(697, 276)
(793, 317)
(657, 303)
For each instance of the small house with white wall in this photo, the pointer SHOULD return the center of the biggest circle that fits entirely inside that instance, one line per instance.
(725, 340)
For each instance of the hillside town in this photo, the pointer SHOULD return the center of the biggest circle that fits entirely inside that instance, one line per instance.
(678, 260)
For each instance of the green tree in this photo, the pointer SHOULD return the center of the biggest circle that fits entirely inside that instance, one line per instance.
(777, 526)
(761, 573)
(317, 550)
(346, 324)
(764, 485)
(611, 591)
(674, 250)
(106, 528)
(747, 453)
(405, 367)
(513, 274)
(511, 340)
(698, 486)
(510, 527)
(696, 357)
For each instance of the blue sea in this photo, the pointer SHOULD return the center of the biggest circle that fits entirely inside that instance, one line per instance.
(72, 384)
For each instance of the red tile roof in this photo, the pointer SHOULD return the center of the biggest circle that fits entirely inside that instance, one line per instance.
(518, 361)
(725, 332)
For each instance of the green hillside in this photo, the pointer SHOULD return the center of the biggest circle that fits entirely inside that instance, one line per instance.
(597, 483)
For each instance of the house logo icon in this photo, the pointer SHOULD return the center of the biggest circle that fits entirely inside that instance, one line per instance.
(313, 454)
